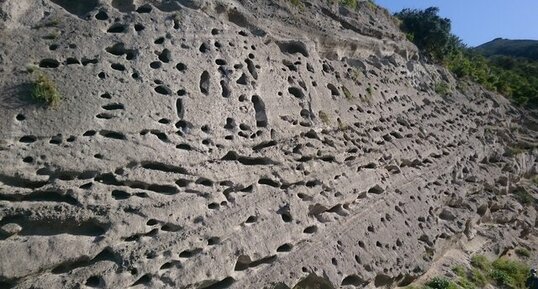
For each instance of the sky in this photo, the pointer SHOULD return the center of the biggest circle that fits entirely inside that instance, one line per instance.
(480, 21)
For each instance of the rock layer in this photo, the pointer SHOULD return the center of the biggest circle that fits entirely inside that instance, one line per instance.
(236, 144)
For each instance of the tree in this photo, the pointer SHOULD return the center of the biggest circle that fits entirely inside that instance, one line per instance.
(430, 32)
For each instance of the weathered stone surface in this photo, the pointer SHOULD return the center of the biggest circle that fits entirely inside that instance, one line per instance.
(237, 144)
(10, 229)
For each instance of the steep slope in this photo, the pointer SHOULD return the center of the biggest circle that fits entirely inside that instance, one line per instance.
(514, 48)
(234, 144)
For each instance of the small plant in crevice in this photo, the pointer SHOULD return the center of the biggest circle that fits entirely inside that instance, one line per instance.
(465, 283)
(356, 74)
(352, 4)
(523, 197)
(478, 278)
(514, 151)
(52, 35)
(459, 270)
(297, 3)
(347, 93)
(535, 180)
(324, 117)
(442, 88)
(368, 96)
(480, 262)
(44, 89)
(49, 23)
(341, 125)
(369, 90)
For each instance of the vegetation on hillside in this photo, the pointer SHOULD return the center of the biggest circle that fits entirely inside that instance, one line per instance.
(505, 47)
(503, 272)
(516, 78)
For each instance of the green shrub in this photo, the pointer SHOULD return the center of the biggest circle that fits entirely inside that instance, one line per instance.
(465, 283)
(296, 3)
(347, 93)
(509, 273)
(50, 23)
(352, 4)
(459, 270)
(500, 277)
(52, 35)
(480, 262)
(44, 89)
(519, 80)
(523, 197)
(442, 89)
(324, 117)
(478, 278)
(504, 272)
(438, 283)
(522, 252)
(368, 96)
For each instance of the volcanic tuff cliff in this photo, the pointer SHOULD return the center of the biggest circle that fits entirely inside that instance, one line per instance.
(236, 144)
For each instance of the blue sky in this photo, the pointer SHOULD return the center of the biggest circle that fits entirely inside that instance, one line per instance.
(479, 21)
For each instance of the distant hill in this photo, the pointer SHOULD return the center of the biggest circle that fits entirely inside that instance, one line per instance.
(516, 48)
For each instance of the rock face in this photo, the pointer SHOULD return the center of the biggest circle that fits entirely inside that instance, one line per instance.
(240, 144)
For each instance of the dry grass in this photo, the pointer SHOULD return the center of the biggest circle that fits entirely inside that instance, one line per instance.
(44, 89)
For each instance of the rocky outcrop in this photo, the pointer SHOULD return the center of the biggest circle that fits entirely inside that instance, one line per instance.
(240, 144)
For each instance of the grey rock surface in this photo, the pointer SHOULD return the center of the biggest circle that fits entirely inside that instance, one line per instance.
(239, 144)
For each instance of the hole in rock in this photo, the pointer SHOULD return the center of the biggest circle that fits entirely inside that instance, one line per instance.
(123, 6)
(101, 15)
(297, 92)
(204, 82)
(49, 63)
(310, 230)
(146, 8)
(117, 28)
(285, 248)
(78, 8)
(161, 89)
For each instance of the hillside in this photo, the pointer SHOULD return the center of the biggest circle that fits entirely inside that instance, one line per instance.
(240, 144)
(514, 48)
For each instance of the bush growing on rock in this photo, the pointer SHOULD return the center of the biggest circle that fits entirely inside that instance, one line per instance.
(44, 89)
(522, 252)
(503, 272)
(429, 32)
(509, 273)
(480, 262)
(442, 88)
(349, 3)
(440, 283)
